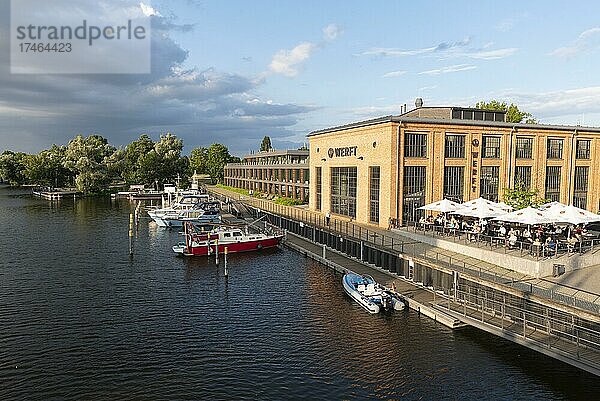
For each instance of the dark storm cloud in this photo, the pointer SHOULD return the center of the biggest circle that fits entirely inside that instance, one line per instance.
(200, 105)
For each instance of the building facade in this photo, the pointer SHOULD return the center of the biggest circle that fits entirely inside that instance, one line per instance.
(282, 173)
(381, 169)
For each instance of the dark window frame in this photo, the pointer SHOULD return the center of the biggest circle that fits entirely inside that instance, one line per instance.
(524, 147)
(490, 151)
(413, 190)
(374, 190)
(454, 146)
(523, 176)
(553, 183)
(454, 179)
(319, 188)
(415, 144)
(583, 152)
(343, 191)
(581, 186)
(489, 182)
(554, 148)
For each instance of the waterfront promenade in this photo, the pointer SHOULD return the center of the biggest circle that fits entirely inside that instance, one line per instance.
(559, 321)
(580, 288)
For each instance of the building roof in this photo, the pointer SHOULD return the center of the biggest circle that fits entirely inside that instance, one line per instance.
(273, 152)
(406, 119)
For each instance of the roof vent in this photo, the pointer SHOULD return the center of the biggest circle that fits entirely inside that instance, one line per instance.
(418, 102)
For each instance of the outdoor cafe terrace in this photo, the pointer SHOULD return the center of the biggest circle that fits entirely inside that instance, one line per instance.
(540, 242)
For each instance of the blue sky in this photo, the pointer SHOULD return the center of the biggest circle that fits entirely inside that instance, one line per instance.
(234, 71)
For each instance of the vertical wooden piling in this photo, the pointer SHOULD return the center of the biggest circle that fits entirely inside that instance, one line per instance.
(225, 261)
(130, 234)
(217, 251)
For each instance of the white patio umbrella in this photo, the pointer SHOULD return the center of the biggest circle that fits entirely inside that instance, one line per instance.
(550, 205)
(560, 213)
(481, 212)
(443, 206)
(504, 206)
(528, 216)
(479, 202)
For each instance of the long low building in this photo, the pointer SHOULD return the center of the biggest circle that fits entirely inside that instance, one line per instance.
(382, 170)
(282, 173)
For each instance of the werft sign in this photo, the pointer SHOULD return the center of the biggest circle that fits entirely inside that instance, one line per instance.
(342, 152)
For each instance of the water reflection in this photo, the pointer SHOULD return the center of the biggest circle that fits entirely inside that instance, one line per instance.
(82, 321)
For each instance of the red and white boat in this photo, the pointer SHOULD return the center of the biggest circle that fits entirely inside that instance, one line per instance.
(234, 239)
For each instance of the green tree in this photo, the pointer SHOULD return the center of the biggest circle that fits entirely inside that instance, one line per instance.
(164, 163)
(132, 160)
(520, 197)
(513, 114)
(265, 145)
(199, 160)
(217, 157)
(47, 167)
(12, 167)
(86, 159)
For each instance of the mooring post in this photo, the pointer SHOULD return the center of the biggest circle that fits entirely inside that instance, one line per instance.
(130, 234)
(225, 261)
(217, 251)
(324, 251)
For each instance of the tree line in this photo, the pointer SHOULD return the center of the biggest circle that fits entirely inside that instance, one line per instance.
(91, 164)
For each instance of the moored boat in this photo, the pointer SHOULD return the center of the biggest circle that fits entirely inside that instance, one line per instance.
(369, 294)
(233, 238)
(184, 203)
(201, 213)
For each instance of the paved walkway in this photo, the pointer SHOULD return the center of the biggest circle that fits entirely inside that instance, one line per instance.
(580, 288)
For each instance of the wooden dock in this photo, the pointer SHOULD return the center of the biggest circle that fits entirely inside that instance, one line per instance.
(57, 194)
(418, 298)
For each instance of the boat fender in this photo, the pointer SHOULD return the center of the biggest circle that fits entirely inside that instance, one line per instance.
(259, 246)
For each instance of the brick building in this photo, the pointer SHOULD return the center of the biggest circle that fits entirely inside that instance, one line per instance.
(274, 172)
(387, 167)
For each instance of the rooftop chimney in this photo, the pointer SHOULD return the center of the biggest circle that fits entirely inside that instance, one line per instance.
(418, 102)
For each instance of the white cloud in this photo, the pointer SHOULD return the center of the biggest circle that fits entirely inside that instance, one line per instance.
(445, 50)
(200, 105)
(332, 32)
(374, 111)
(492, 54)
(391, 52)
(507, 24)
(587, 40)
(449, 69)
(288, 62)
(557, 103)
(149, 11)
(393, 74)
(394, 52)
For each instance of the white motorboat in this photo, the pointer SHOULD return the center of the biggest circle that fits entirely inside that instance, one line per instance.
(368, 294)
(200, 213)
(184, 203)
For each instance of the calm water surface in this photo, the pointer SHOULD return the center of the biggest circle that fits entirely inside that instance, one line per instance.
(80, 320)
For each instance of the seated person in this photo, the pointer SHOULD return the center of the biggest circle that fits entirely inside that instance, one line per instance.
(550, 243)
(571, 241)
(512, 239)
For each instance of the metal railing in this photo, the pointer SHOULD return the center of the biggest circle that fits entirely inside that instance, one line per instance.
(550, 328)
(523, 248)
(418, 251)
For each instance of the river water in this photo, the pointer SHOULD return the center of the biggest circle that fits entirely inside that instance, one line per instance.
(80, 320)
